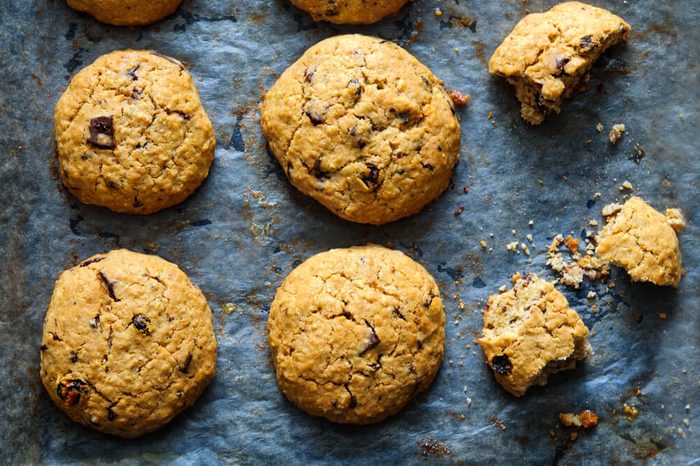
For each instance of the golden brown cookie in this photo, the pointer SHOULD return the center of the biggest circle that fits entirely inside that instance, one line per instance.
(132, 134)
(126, 12)
(361, 126)
(356, 333)
(349, 11)
(548, 55)
(128, 343)
(642, 241)
(530, 333)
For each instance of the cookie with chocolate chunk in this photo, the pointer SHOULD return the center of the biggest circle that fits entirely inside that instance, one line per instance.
(132, 134)
(529, 333)
(126, 12)
(642, 241)
(364, 128)
(356, 333)
(128, 343)
(548, 55)
(350, 11)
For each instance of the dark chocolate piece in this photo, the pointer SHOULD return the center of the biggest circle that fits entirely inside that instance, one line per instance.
(501, 364)
(102, 132)
(140, 321)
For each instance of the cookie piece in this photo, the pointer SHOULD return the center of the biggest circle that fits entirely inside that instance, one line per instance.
(356, 333)
(349, 11)
(126, 12)
(128, 343)
(642, 241)
(530, 333)
(361, 126)
(548, 55)
(132, 134)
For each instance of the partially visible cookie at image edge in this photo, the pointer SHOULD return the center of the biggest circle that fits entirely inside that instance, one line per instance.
(126, 12)
(349, 11)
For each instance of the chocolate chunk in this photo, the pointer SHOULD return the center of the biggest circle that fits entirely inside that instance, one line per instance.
(561, 62)
(55, 336)
(102, 132)
(111, 415)
(90, 261)
(428, 166)
(396, 312)
(186, 365)
(136, 202)
(315, 115)
(95, 322)
(44, 347)
(371, 178)
(140, 322)
(587, 44)
(73, 357)
(501, 364)
(309, 73)
(108, 285)
(372, 341)
(359, 138)
(71, 391)
(132, 72)
(356, 86)
(318, 170)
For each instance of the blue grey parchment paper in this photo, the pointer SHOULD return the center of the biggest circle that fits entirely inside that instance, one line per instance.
(247, 227)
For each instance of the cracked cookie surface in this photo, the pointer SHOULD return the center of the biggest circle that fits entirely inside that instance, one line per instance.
(548, 55)
(356, 333)
(642, 241)
(128, 343)
(132, 134)
(530, 333)
(126, 12)
(361, 126)
(349, 11)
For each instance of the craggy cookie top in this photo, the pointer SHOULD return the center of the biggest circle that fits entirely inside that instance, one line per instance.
(126, 12)
(361, 126)
(548, 54)
(642, 241)
(356, 333)
(128, 343)
(528, 328)
(132, 134)
(350, 11)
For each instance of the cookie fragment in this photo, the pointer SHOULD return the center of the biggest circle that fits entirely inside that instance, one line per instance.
(529, 333)
(642, 241)
(356, 333)
(548, 56)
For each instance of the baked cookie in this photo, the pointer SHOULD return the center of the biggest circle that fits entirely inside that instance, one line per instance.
(642, 241)
(530, 333)
(356, 333)
(548, 55)
(132, 134)
(364, 128)
(128, 343)
(349, 11)
(126, 12)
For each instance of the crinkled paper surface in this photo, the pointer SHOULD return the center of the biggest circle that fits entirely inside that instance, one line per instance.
(247, 227)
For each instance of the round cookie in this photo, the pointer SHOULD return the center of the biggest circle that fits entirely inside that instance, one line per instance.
(349, 11)
(364, 128)
(132, 134)
(126, 12)
(128, 343)
(356, 333)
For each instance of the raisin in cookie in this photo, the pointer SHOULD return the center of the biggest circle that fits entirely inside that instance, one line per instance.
(128, 343)
(126, 12)
(548, 55)
(132, 134)
(364, 128)
(349, 11)
(642, 241)
(529, 333)
(356, 333)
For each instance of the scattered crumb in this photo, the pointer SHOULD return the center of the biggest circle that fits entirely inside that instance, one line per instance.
(662, 315)
(498, 423)
(457, 97)
(466, 190)
(512, 246)
(676, 219)
(599, 127)
(585, 419)
(229, 308)
(483, 244)
(611, 209)
(525, 249)
(593, 223)
(438, 12)
(531, 222)
(616, 133)
(489, 115)
(571, 273)
(596, 196)
(540, 181)
(514, 232)
(630, 411)
(529, 238)
(626, 185)
(591, 295)
(459, 211)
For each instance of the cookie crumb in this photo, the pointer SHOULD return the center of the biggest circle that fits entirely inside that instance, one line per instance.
(662, 315)
(626, 185)
(591, 295)
(599, 127)
(676, 219)
(525, 249)
(483, 244)
(593, 223)
(616, 133)
(585, 419)
(437, 12)
(630, 411)
(458, 98)
(513, 246)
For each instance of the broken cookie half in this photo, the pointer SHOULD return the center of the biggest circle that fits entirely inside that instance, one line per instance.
(531, 332)
(548, 55)
(642, 241)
